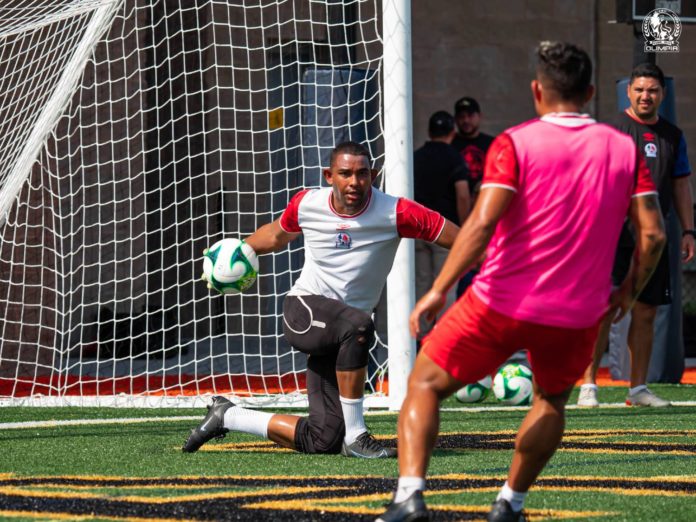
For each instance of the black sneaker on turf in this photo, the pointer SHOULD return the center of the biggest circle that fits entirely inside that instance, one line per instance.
(501, 511)
(412, 509)
(212, 426)
(367, 447)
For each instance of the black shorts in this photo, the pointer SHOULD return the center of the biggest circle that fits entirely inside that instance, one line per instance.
(334, 336)
(658, 290)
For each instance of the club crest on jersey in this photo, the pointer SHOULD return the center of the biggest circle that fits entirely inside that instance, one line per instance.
(650, 150)
(343, 240)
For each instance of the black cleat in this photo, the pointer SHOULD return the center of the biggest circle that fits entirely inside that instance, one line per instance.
(412, 509)
(367, 447)
(212, 426)
(501, 511)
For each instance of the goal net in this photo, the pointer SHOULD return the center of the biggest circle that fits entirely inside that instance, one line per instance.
(133, 134)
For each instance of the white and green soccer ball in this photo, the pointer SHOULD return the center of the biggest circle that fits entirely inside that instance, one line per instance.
(475, 392)
(513, 385)
(230, 266)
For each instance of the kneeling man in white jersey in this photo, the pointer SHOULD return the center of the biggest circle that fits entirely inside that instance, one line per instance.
(351, 233)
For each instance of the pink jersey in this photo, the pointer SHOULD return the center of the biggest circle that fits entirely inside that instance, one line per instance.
(348, 257)
(550, 258)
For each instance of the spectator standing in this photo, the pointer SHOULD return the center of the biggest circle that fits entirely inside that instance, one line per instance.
(471, 143)
(441, 183)
(663, 147)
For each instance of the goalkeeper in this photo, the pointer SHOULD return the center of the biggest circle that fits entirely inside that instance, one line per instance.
(351, 233)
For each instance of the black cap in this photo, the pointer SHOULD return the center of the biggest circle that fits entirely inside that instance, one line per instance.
(441, 124)
(466, 104)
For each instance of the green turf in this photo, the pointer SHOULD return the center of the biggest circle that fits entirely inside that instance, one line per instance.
(152, 449)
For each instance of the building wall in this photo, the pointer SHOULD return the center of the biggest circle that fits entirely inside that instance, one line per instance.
(486, 50)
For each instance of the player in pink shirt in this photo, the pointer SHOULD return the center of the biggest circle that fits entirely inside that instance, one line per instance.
(554, 196)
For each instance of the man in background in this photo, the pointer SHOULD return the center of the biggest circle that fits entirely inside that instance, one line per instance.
(441, 183)
(663, 147)
(471, 143)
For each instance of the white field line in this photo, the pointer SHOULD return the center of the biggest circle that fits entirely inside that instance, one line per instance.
(143, 420)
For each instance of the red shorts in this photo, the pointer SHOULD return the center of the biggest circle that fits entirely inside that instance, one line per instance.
(471, 341)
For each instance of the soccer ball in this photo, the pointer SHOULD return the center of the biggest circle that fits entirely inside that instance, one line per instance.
(513, 385)
(475, 392)
(230, 266)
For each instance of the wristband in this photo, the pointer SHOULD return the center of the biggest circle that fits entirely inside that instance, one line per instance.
(691, 232)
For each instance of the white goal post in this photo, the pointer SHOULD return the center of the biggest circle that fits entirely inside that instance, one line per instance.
(133, 134)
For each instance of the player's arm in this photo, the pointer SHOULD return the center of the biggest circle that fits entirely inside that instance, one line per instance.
(469, 245)
(276, 235)
(684, 206)
(461, 190)
(498, 188)
(683, 201)
(270, 238)
(448, 235)
(646, 216)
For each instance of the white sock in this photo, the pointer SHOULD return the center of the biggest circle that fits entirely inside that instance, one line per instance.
(515, 498)
(589, 386)
(248, 421)
(353, 418)
(640, 387)
(408, 486)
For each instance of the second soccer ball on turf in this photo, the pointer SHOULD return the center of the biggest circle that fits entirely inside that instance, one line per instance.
(230, 266)
(513, 385)
(475, 392)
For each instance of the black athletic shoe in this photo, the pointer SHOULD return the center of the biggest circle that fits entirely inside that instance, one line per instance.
(367, 447)
(212, 426)
(412, 509)
(501, 511)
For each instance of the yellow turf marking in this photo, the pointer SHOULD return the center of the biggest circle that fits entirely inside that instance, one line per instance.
(167, 484)
(571, 435)
(616, 491)
(627, 451)
(262, 446)
(327, 505)
(297, 490)
(652, 479)
(594, 433)
(49, 515)
(533, 514)
(313, 505)
(21, 492)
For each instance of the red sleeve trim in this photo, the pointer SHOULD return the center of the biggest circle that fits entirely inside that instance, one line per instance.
(289, 221)
(501, 164)
(415, 221)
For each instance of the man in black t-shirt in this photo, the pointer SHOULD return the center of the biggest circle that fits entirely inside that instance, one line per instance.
(471, 143)
(663, 146)
(441, 183)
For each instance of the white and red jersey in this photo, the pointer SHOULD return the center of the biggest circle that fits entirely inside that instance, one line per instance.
(348, 257)
(549, 260)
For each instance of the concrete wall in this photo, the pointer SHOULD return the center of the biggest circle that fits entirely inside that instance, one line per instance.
(485, 49)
